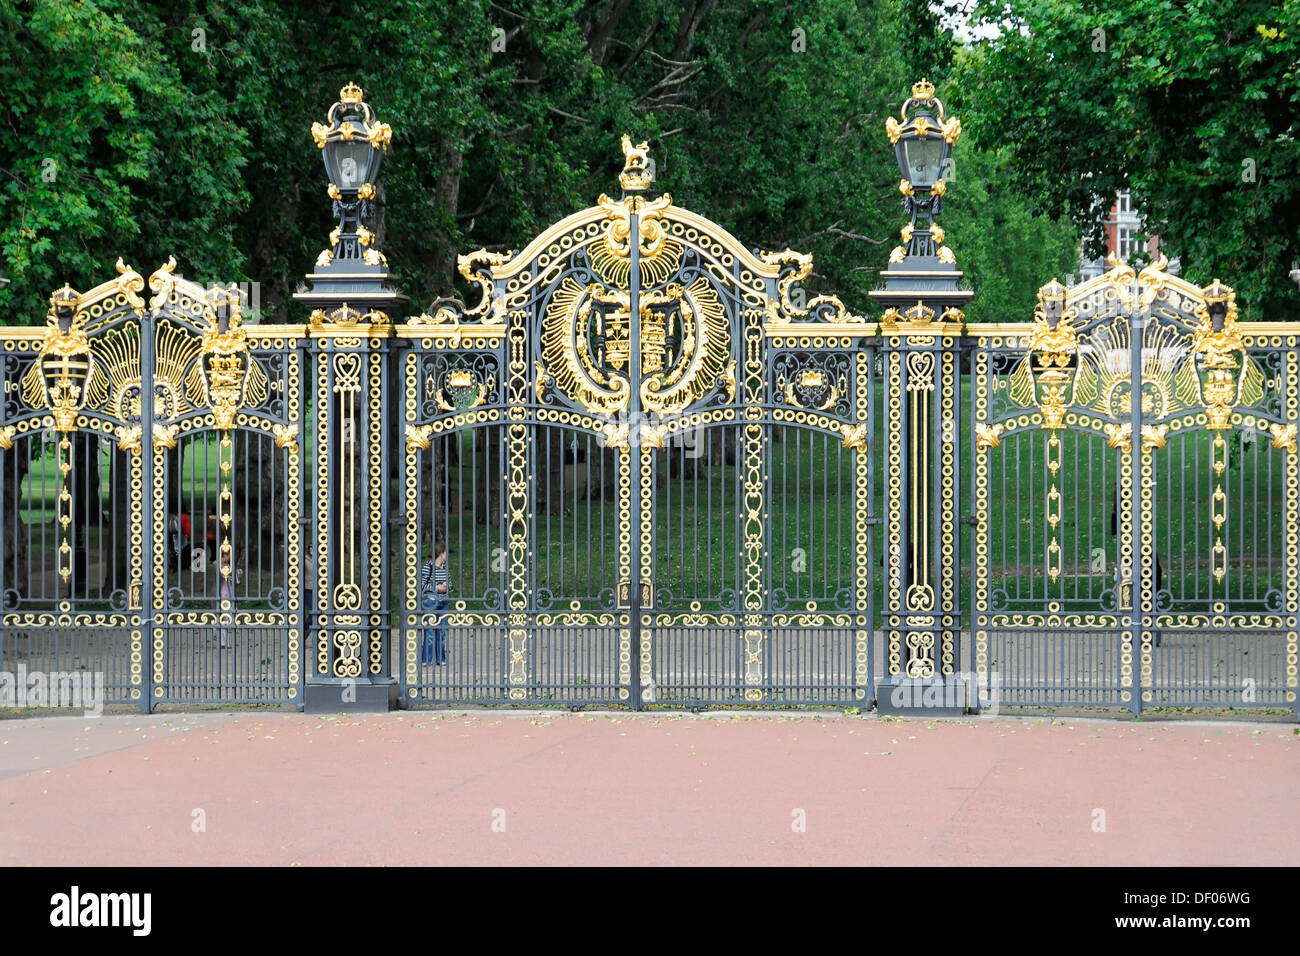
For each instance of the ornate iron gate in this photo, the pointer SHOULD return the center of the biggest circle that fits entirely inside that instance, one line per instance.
(652, 458)
(148, 474)
(649, 457)
(1135, 498)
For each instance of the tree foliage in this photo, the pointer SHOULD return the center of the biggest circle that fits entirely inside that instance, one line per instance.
(181, 128)
(1192, 106)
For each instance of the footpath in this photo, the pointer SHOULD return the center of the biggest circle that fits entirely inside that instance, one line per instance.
(283, 789)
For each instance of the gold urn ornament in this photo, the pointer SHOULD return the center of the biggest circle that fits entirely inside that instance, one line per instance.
(58, 378)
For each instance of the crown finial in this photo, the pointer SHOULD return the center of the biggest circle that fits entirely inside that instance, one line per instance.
(66, 297)
(636, 174)
(924, 90)
(1052, 292)
(350, 94)
(1216, 291)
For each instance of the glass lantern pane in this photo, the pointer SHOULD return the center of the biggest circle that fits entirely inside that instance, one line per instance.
(924, 157)
(352, 161)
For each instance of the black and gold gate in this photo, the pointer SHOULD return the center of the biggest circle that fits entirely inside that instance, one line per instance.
(650, 458)
(148, 477)
(648, 455)
(1135, 499)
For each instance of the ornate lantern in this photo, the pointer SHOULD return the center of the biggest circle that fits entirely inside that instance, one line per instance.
(923, 144)
(352, 146)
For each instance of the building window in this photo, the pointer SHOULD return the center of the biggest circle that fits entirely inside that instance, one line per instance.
(1125, 243)
(1124, 203)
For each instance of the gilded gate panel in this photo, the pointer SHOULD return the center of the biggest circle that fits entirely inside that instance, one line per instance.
(638, 413)
(1146, 391)
(135, 393)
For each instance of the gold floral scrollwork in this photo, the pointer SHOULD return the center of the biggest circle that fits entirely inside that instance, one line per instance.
(418, 437)
(795, 267)
(616, 435)
(7, 437)
(164, 436)
(920, 644)
(661, 253)
(855, 436)
(1154, 436)
(541, 381)
(652, 436)
(1120, 436)
(728, 380)
(476, 268)
(286, 436)
(1284, 436)
(128, 438)
(987, 436)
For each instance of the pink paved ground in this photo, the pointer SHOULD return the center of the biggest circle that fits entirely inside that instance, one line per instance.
(414, 788)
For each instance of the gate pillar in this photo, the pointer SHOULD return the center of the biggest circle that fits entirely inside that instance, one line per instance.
(348, 643)
(921, 324)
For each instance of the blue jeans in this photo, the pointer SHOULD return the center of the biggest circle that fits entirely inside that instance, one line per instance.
(434, 644)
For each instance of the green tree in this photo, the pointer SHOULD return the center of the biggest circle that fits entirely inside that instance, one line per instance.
(182, 129)
(1191, 106)
(107, 152)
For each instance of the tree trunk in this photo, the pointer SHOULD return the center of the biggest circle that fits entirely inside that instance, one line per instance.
(440, 259)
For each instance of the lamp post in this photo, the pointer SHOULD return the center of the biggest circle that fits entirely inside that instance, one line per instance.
(923, 143)
(922, 318)
(352, 147)
(352, 340)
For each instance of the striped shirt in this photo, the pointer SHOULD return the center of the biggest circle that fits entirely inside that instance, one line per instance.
(431, 577)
